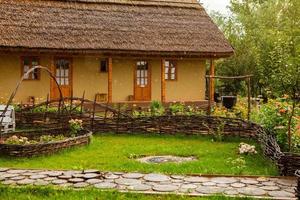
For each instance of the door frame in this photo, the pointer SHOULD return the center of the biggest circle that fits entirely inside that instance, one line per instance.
(135, 79)
(53, 70)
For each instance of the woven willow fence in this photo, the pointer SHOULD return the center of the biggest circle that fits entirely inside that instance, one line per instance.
(103, 118)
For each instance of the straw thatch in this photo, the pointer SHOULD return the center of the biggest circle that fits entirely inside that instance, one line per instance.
(180, 27)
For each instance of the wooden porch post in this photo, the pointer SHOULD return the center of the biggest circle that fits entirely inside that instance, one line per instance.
(163, 81)
(211, 80)
(109, 88)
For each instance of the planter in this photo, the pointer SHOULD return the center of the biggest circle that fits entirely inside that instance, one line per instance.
(229, 101)
(29, 150)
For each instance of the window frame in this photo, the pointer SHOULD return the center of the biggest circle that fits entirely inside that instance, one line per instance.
(31, 58)
(169, 73)
(100, 67)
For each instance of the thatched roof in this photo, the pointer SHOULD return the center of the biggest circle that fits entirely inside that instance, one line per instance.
(180, 27)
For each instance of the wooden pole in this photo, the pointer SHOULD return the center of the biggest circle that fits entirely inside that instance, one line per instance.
(212, 80)
(249, 98)
(109, 88)
(209, 97)
(163, 81)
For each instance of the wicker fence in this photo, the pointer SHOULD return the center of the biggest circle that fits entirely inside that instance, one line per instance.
(102, 118)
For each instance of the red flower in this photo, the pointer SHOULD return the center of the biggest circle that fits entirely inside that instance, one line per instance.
(282, 111)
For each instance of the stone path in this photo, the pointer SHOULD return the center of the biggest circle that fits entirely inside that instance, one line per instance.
(259, 187)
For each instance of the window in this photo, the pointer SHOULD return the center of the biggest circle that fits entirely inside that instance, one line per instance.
(62, 71)
(27, 64)
(170, 70)
(142, 73)
(103, 66)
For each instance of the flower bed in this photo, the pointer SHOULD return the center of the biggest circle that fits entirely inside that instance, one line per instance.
(41, 142)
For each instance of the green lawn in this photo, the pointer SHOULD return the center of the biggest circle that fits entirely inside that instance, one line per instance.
(50, 193)
(114, 152)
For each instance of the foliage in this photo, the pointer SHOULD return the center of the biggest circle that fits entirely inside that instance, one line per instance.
(218, 134)
(274, 116)
(177, 108)
(51, 138)
(157, 108)
(25, 141)
(75, 126)
(111, 152)
(238, 164)
(18, 140)
(265, 37)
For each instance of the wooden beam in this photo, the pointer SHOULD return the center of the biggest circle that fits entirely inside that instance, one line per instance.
(230, 77)
(163, 81)
(109, 87)
(211, 80)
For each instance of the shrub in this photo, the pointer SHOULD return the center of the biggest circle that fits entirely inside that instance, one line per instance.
(274, 116)
(238, 164)
(75, 126)
(156, 108)
(177, 108)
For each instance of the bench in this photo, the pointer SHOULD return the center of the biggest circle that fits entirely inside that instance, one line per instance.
(7, 119)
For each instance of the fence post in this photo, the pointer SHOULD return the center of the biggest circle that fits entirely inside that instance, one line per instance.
(82, 102)
(118, 118)
(47, 106)
(249, 98)
(93, 114)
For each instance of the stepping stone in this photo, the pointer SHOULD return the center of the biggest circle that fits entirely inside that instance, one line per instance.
(94, 181)
(91, 175)
(65, 185)
(88, 171)
(139, 187)
(281, 194)
(80, 185)
(41, 183)
(8, 182)
(269, 183)
(17, 178)
(53, 174)
(4, 169)
(209, 184)
(156, 177)
(286, 182)
(252, 191)
(196, 179)
(59, 181)
(209, 190)
(177, 181)
(2, 178)
(165, 188)
(270, 188)
(16, 171)
(249, 181)
(38, 176)
(118, 173)
(188, 186)
(25, 182)
(126, 181)
(224, 180)
(105, 185)
(238, 185)
(78, 175)
(231, 192)
(133, 175)
(9, 175)
(111, 176)
(222, 185)
(50, 178)
(76, 180)
(262, 179)
(177, 177)
(65, 176)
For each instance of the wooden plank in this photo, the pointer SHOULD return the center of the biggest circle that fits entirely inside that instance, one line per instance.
(109, 92)
(230, 77)
(163, 81)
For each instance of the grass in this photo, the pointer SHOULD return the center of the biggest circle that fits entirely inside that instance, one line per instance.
(50, 193)
(111, 152)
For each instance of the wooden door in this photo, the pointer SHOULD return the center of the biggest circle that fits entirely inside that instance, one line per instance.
(142, 81)
(62, 69)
